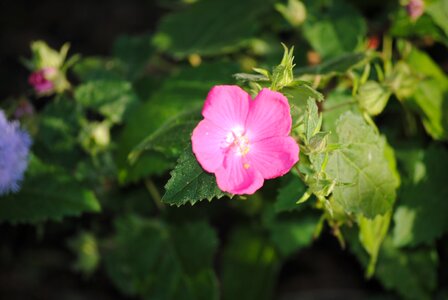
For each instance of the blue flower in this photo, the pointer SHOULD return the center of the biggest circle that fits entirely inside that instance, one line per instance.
(14, 149)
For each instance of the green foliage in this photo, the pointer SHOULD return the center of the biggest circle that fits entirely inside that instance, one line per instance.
(373, 97)
(411, 273)
(371, 235)
(250, 265)
(111, 98)
(366, 183)
(171, 137)
(214, 32)
(103, 147)
(438, 10)
(340, 64)
(431, 94)
(48, 193)
(333, 29)
(159, 261)
(85, 246)
(420, 217)
(134, 52)
(289, 193)
(189, 183)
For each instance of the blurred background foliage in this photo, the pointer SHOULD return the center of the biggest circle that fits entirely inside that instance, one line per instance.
(90, 224)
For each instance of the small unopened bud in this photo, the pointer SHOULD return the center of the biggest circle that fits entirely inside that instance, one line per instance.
(415, 9)
(41, 80)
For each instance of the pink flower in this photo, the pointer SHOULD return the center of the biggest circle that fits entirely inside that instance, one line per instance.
(415, 8)
(244, 141)
(39, 80)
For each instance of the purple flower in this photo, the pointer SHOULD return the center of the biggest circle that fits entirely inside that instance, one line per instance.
(14, 149)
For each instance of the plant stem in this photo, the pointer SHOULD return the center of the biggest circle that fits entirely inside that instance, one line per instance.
(155, 195)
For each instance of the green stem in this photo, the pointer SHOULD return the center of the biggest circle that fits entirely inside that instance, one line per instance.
(155, 195)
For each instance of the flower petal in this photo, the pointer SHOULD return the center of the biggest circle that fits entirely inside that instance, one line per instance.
(208, 145)
(273, 157)
(233, 177)
(227, 106)
(269, 115)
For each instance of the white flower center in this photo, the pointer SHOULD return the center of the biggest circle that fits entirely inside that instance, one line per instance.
(238, 140)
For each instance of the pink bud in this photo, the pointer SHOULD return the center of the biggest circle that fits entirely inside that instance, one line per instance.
(415, 9)
(39, 80)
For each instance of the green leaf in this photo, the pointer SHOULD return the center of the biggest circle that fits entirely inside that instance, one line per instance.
(292, 189)
(134, 52)
(249, 267)
(290, 235)
(365, 181)
(214, 32)
(98, 68)
(85, 247)
(431, 94)
(294, 12)
(172, 137)
(312, 121)
(371, 235)
(157, 261)
(56, 139)
(403, 26)
(111, 98)
(438, 10)
(420, 217)
(47, 193)
(335, 29)
(337, 103)
(334, 66)
(412, 273)
(373, 97)
(189, 183)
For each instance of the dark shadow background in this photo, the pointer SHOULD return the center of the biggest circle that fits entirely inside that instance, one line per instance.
(90, 26)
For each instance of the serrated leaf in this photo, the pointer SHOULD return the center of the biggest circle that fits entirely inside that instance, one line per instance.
(145, 249)
(420, 217)
(189, 183)
(230, 31)
(111, 98)
(369, 185)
